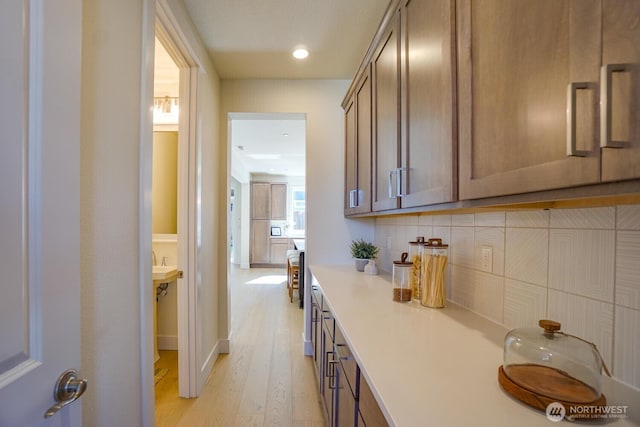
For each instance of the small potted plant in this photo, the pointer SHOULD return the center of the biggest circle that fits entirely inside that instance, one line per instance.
(362, 252)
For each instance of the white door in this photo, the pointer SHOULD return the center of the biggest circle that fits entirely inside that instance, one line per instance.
(39, 208)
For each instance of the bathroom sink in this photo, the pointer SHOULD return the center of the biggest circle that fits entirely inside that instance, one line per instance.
(165, 273)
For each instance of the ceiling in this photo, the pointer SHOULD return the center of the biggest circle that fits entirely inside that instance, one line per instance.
(254, 39)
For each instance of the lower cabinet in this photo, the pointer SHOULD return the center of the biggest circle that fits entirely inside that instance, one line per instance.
(347, 398)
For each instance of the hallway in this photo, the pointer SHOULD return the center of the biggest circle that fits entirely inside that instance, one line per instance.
(265, 380)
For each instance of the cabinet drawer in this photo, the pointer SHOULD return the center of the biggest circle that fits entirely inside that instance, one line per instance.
(348, 363)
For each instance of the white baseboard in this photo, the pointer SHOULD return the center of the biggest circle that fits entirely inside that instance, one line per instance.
(307, 346)
(167, 342)
(224, 346)
(207, 366)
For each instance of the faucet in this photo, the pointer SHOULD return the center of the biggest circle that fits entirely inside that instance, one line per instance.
(155, 259)
(164, 261)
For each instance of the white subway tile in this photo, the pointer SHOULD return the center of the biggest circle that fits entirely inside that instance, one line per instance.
(585, 318)
(528, 219)
(442, 220)
(628, 217)
(461, 246)
(411, 219)
(602, 218)
(425, 220)
(582, 262)
(524, 304)
(527, 255)
(466, 220)
(488, 295)
(628, 269)
(443, 233)
(626, 366)
(490, 219)
(462, 286)
(493, 237)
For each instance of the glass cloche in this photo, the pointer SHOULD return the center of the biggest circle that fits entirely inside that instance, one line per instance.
(545, 365)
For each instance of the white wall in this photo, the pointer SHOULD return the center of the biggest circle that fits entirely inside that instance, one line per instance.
(576, 266)
(120, 372)
(328, 234)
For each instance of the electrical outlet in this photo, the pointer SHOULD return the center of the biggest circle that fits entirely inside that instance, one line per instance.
(487, 259)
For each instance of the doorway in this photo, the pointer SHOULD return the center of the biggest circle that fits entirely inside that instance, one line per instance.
(173, 187)
(165, 237)
(267, 150)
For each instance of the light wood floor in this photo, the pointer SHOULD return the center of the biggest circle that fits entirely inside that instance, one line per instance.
(265, 380)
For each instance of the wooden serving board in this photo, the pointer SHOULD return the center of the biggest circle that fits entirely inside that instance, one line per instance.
(547, 385)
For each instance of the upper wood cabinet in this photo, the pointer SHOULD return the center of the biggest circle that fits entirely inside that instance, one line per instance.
(279, 201)
(414, 108)
(358, 148)
(620, 99)
(385, 74)
(528, 90)
(260, 200)
(268, 201)
(429, 156)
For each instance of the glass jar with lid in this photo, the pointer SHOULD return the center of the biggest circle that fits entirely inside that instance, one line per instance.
(401, 279)
(542, 366)
(415, 256)
(434, 256)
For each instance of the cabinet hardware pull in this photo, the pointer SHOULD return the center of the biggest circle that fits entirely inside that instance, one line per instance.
(332, 383)
(353, 199)
(571, 119)
(606, 73)
(391, 173)
(399, 182)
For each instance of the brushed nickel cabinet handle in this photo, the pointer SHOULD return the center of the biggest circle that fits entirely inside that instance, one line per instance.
(606, 73)
(399, 181)
(572, 88)
(391, 173)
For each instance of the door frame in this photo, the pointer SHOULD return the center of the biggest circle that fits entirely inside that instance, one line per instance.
(161, 22)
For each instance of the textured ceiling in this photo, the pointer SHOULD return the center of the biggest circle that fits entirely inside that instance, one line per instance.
(253, 39)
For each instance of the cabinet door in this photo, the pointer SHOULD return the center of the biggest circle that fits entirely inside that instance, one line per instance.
(279, 248)
(260, 200)
(385, 73)
(358, 149)
(369, 409)
(516, 60)
(345, 401)
(350, 158)
(363, 144)
(279, 201)
(428, 147)
(620, 115)
(260, 241)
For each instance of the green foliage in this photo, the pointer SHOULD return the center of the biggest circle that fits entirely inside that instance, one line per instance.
(364, 250)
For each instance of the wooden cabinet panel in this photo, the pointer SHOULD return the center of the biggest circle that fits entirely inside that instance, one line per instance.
(351, 158)
(369, 408)
(358, 149)
(516, 60)
(279, 249)
(279, 201)
(260, 241)
(260, 200)
(429, 157)
(621, 121)
(385, 74)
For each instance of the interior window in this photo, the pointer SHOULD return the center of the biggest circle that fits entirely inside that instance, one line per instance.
(298, 207)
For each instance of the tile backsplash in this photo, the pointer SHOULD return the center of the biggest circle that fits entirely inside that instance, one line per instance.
(580, 267)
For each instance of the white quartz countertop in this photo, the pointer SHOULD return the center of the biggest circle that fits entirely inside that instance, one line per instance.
(425, 366)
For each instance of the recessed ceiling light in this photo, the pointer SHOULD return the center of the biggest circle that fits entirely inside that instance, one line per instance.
(285, 134)
(300, 53)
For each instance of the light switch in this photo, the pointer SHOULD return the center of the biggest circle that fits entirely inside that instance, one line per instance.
(487, 259)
